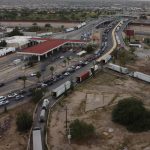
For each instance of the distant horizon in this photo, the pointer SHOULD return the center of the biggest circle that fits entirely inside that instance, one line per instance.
(73, 3)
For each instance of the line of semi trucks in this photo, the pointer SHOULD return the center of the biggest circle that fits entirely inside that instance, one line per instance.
(36, 133)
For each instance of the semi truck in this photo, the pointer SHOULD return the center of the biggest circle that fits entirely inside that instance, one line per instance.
(61, 89)
(45, 104)
(117, 68)
(37, 140)
(140, 76)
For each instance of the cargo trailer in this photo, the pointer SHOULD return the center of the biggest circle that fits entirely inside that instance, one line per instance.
(117, 68)
(61, 89)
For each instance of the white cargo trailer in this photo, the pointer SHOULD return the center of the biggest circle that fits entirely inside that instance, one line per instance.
(42, 115)
(61, 89)
(140, 76)
(37, 140)
(69, 29)
(117, 68)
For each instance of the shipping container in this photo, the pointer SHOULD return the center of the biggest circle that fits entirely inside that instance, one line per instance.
(83, 76)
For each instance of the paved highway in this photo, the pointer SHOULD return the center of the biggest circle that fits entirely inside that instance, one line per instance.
(77, 33)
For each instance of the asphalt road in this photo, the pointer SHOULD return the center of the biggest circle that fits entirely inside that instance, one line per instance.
(77, 33)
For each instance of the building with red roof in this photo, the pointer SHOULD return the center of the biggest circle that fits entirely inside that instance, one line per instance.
(46, 46)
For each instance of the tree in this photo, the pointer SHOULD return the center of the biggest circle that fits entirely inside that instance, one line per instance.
(47, 25)
(3, 43)
(37, 95)
(131, 113)
(23, 121)
(122, 57)
(143, 16)
(62, 27)
(64, 61)
(132, 50)
(68, 60)
(90, 48)
(38, 75)
(15, 32)
(24, 78)
(34, 24)
(81, 130)
(52, 70)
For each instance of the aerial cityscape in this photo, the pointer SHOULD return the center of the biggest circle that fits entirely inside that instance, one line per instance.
(75, 75)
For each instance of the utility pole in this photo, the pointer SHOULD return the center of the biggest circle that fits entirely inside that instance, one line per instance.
(66, 109)
(69, 136)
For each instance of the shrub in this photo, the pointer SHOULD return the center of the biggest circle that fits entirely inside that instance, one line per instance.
(23, 121)
(131, 113)
(81, 130)
(37, 94)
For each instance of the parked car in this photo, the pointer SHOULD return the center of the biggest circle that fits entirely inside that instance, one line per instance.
(66, 74)
(11, 95)
(61, 57)
(4, 102)
(19, 97)
(86, 62)
(78, 67)
(22, 92)
(2, 98)
(42, 85)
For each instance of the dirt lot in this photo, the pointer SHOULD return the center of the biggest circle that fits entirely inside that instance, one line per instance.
(11, 139)
(109, 136)
(142, 62)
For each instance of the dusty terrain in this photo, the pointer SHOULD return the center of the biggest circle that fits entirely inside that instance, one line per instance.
(10, 138)
(142, 62)
(109, 136)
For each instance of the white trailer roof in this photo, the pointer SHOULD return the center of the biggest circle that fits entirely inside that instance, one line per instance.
(81, 53)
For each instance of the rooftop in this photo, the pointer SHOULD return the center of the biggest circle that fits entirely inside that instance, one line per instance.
(47, 46)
